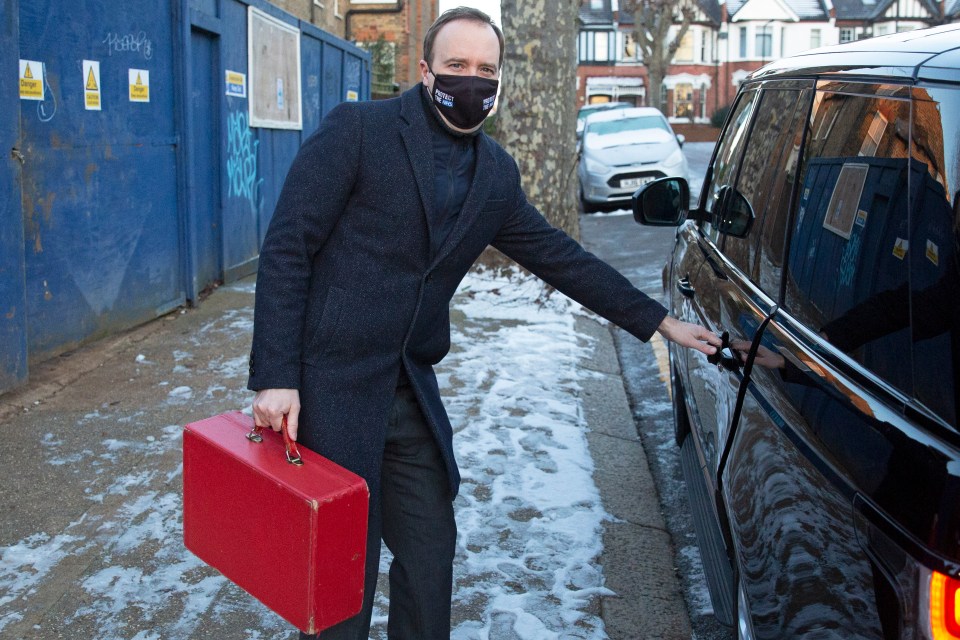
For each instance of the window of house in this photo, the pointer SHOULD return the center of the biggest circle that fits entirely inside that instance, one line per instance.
(601, 46)
(846, 35)
(683, 100)
(595, 46)
(815, 38)
(631, 51)
(743, 42)
(596, 5)
(763, 46)
(685, 50)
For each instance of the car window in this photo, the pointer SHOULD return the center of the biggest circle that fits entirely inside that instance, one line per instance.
(727, 156)
(765, 181)
(606, 127)
(627, 131)
(933, 255)
(847, 270)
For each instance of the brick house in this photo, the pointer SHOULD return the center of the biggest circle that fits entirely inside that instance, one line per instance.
(726, 41)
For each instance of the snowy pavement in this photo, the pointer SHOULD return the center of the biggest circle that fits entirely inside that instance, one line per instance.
(110, 563)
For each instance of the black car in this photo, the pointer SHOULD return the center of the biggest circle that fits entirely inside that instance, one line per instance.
(820, 445)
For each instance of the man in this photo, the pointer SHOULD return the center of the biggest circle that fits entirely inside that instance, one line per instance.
(384, 210)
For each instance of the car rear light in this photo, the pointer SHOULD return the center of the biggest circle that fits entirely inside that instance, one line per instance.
(927, 599)
(944, 607)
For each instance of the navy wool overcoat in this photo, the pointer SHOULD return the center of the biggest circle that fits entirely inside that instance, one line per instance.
(347, 291)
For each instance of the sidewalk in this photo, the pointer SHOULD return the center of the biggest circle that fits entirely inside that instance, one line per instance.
(90, 538)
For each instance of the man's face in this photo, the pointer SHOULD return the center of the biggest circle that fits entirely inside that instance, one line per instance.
(463, 47)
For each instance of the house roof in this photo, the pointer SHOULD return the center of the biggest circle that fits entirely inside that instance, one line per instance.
(710, 8)
(869, 10)
(874, 9)
(595, 17)
(804, 9)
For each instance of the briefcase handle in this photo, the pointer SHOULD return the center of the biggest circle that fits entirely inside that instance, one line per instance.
(293, 454)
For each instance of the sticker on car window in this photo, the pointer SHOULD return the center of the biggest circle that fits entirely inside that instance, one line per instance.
(933, 253)
(900, 248)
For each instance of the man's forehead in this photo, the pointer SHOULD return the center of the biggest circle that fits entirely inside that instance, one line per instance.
(467, 40)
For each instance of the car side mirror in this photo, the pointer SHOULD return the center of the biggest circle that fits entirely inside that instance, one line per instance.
(736, 213)
(662, 203)
(681, 139)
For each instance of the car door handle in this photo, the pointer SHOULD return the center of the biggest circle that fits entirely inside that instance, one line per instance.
(725, 357)
(684, 286)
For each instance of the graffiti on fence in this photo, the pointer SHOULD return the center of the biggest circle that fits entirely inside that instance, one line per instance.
(242, 160)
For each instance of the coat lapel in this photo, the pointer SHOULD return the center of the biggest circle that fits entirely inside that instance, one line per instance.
(416, 138)
(476, 197)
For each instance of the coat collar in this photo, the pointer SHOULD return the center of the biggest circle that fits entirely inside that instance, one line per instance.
(416, 134)
(416, 138)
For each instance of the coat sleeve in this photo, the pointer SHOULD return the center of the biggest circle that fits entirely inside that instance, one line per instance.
(561, 262)
(314, 196)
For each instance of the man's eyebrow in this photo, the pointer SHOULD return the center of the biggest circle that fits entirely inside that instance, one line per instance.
(464, 61)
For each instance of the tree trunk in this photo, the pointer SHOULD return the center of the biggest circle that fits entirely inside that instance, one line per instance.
(536, 117)
(655, 75)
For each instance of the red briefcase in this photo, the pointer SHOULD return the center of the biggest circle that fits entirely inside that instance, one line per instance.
(290, 530)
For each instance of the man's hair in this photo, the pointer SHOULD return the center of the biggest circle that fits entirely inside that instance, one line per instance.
(459, 13)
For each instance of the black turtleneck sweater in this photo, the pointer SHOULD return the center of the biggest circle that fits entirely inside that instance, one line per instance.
(454, 160)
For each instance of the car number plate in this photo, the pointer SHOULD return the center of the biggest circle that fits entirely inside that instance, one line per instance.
(629, 183)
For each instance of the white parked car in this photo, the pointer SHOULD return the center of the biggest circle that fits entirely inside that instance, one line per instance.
(624, 149)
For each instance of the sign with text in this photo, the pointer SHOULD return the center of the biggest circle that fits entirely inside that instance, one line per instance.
(139, 82)
(91, 85)
(31, 80)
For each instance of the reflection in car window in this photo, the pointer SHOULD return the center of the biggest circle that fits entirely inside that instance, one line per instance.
(767, 173)
(627, 131)
(728, 154)
(848, 268)
(933, 256)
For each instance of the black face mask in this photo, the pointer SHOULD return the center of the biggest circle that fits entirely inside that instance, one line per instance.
(464, 101)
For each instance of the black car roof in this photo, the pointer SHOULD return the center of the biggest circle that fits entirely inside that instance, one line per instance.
(927, 54)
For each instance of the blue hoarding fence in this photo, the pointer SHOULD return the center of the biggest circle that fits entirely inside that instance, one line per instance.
(136, 174)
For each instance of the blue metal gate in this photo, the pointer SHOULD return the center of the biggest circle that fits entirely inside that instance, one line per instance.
(135, 180)
(13, 317)
(102, 247)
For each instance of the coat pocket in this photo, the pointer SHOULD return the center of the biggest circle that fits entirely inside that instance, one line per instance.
(495, 204)
(324, 332)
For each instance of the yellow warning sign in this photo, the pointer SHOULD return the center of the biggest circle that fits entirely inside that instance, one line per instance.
(139, 83)
(91, 85)
(31, 80)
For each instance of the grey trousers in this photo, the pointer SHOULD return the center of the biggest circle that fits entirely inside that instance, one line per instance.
(413, 513)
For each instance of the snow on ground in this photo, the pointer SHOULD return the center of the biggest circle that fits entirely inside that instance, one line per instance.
(529, 514)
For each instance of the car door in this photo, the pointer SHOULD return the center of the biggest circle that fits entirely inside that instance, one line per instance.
(698, 267)
(823, 416)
